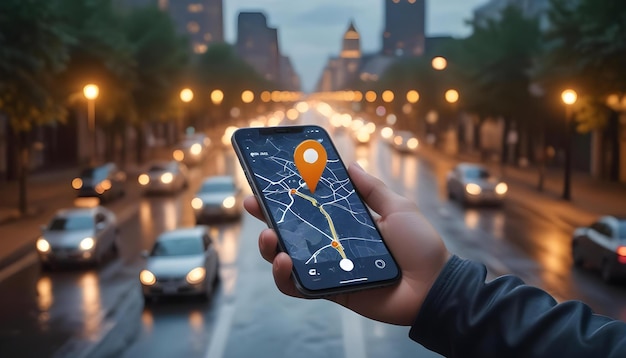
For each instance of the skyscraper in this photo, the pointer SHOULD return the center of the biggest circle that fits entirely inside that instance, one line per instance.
(201, 20)
(405, 23)
(257, 44)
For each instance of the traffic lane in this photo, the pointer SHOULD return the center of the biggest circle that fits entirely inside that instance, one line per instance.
(184, 326)
(508, 239)
(48, 306)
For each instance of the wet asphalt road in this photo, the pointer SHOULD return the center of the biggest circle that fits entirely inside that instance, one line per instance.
(66, 312)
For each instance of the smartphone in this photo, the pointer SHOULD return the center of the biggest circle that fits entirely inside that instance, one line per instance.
(321, 221)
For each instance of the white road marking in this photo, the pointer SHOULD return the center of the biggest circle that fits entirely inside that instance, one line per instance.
(353, 338)
(222, 331)
(18, 265)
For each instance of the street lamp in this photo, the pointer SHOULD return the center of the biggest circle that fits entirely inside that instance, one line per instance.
(452, 96)
(439, 63)
(217, 96)
(569, 97)
(186, 96)
(91, 92)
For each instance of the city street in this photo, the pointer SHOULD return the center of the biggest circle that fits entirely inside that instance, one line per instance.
(85, 311)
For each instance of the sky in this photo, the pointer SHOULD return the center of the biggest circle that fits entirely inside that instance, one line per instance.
(310, 32)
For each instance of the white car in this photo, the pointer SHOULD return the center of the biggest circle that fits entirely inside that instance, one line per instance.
(78, 235)
(164, 176)
(190, 152)
(404, 142)
(218, 197)
(182, 262)
(473, 184)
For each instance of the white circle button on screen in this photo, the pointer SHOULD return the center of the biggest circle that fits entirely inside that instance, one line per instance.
(346, 264)
(380, 264)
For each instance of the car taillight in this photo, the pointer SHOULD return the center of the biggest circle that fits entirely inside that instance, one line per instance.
(621, 254)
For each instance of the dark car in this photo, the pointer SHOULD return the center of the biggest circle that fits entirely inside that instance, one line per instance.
(602, 245)
(105, 182)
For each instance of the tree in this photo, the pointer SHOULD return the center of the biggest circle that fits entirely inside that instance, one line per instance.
(33, 48)
(161, 57)
(585, 49)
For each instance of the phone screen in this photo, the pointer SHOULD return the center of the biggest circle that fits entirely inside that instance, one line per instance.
(320, 219)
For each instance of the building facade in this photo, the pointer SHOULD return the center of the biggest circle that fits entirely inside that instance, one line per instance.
(257, 44)
(341, 71)
(405, 27)
(201, 20)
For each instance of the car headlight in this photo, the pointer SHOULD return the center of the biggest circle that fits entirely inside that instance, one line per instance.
(144, 179)
(412, 143)
(43, 245)
(502, 188)
(77, 183)
(196, 275)
(197, 203)
(195, 149)
(86, 244)
(147, 278)
(473, 189)
(229, 202)
(167, 178)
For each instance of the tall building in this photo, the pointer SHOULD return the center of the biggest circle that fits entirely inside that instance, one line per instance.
(342, 70)
(201, 20)
(257, 44)
(405, 26)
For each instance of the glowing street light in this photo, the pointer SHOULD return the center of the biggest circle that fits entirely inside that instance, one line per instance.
(247, 96)
(452, 96)
(91, 92)
(186, 95)
(569, 97)
(387, 96)
(412, 96)
(217, 96)
(439, 63)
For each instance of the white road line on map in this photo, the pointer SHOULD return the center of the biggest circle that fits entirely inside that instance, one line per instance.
(353, 337)
(222, 331)
(18, 266)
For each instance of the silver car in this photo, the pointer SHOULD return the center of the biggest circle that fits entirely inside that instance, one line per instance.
(182, 262)
(404, 142)
(218, 197)
(474, 184)
(190, 152)
(602, 245)
(78, 235)
(164, 176)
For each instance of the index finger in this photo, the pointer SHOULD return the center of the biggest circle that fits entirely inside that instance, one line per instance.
(251, 205)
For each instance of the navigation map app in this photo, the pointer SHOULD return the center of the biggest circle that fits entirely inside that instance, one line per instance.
(324, 225)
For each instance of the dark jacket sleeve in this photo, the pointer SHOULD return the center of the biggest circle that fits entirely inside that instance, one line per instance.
(463, 316)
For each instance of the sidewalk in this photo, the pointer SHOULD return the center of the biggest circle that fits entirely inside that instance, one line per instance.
(590, 197)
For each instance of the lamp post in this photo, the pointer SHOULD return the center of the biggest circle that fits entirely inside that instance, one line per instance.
(439, 63)
(452, 97)
(91, 92)
(186, 96)
(568, 97)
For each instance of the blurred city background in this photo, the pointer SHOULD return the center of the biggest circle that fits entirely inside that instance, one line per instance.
(504, 120)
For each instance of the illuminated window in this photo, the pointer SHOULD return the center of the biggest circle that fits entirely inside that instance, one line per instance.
(199, 48)
(387, 34)
(396, 1)
(411, 1)
(195, 8)
(193, 27)
(208, 37)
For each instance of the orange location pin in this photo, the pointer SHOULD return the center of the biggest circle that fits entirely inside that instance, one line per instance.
(310, 158)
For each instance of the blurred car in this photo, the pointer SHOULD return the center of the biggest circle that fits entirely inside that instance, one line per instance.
(190, 152)
(218, 197)
(473, 184)
(182, 262)
(164, 176)
(105, 182)
(404, 142)
(78, 235)
(602, 245)
(199, 138)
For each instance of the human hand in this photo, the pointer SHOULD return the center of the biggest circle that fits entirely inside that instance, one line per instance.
(416, 246)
